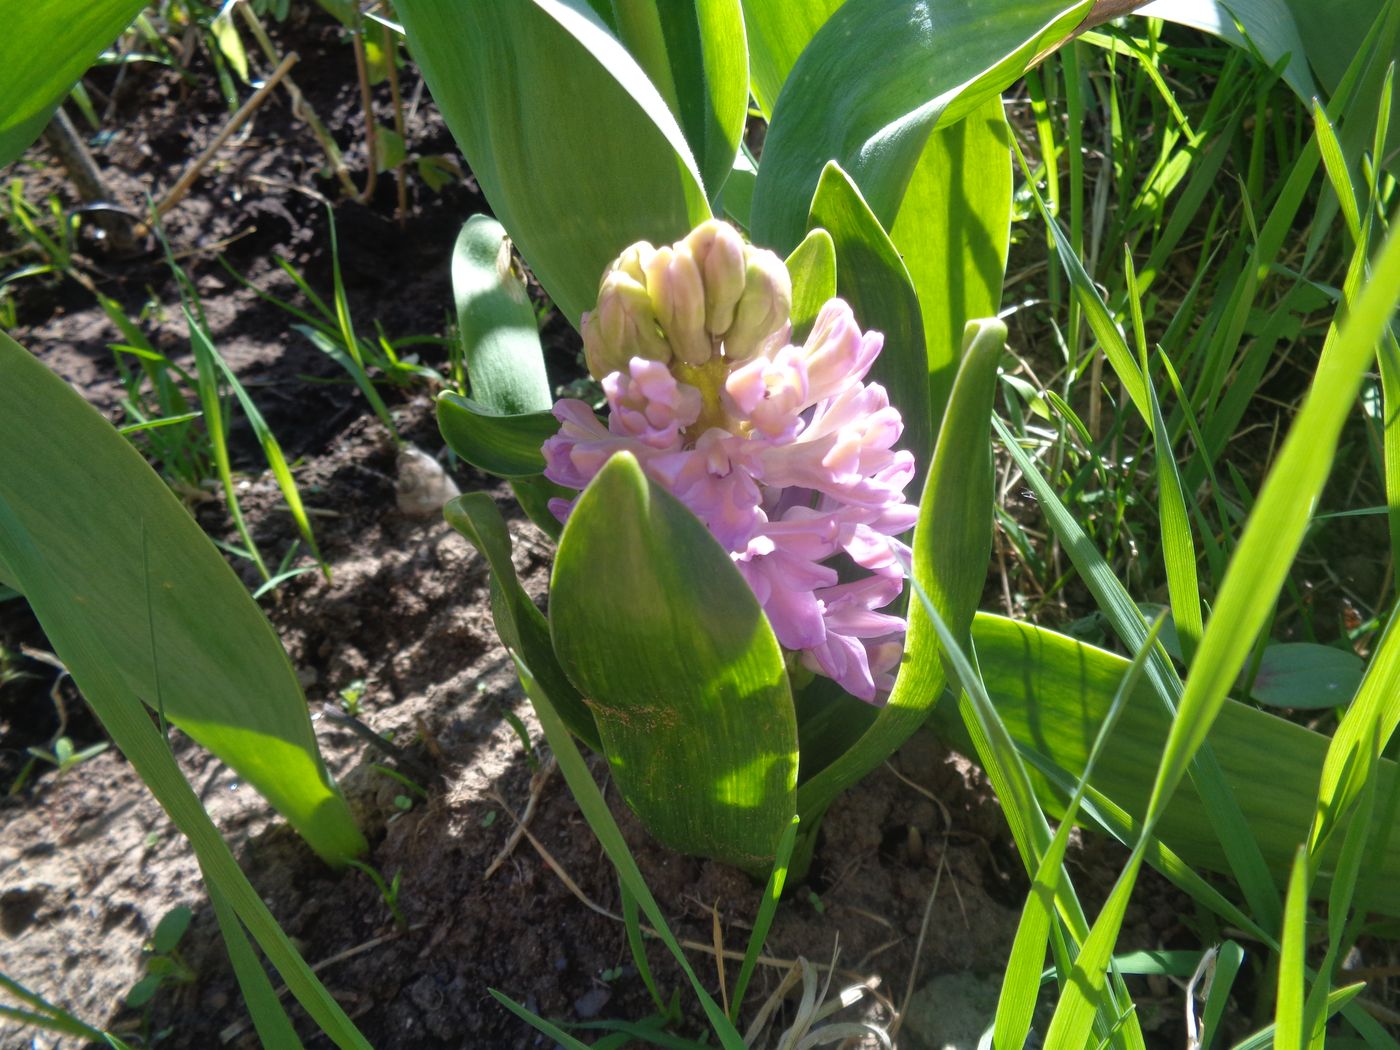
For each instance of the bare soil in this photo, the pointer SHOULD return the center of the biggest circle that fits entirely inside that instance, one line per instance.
(88, 861)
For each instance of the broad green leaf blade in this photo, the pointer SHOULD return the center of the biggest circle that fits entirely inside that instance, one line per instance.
(951, 547)
(696, 55)
(1052, 693)
(953, 230)
(522, 627)
(778, 31)
(1306, 676)
(571, 144)
(1268, 31)
(507, 445)
(130, 572)
(686, 681)
(871, 107)
(812, 266)
(496, 323)
(45, 48)
(110, 691)
(872, 277)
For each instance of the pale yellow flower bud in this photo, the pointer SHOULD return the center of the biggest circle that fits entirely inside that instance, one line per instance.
(763, 308)
(678, 297)
(622, 327)
(634, 261)
(718, 250)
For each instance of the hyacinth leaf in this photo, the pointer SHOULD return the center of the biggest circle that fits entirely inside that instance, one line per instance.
(112, 693)
(1052, 692)
(656, 627)
(1306, 676)
(1267, 28)
(45, 48)
(812, 266)
(147, 593)
(574, 149)
(533, 494)
(496, 322)
(953, 230)
(505, 445)
(871, 276)
(696, 56)
(736, 196)
(951, 546)
(779, 31)
(521, 626)
(874, 118)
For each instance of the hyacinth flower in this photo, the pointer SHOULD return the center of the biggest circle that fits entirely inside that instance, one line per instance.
(725, 618)
(782, 450)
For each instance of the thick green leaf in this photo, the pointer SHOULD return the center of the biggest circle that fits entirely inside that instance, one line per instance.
(498, 443)
(132, 575)
(872, 107)
(522, 627)
(951, 546)
(44, 49)
(113, 694)
(953, 230)
(1052, 692)
(872, 277)
(655, 626)
(1304, 676)
(812, 266)
(1269, 30)
(571, 144)
(778, 31)
(696, 55)
(496, 323)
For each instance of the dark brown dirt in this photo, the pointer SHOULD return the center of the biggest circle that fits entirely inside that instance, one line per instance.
(90, 863)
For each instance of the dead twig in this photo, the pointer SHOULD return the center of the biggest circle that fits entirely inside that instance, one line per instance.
(191, 173)
(537, 783)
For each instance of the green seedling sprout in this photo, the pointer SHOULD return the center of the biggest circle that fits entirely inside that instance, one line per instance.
(350, 697)
(163, 961)
(64, 757)
(388, 890)
(523, 735)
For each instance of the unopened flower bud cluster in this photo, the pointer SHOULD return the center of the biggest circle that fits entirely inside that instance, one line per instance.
(782, 450)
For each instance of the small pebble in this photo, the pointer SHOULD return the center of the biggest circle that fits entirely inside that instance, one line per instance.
(423, 486)
(590, 1004)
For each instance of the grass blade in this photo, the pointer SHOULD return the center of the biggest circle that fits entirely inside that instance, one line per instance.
(600, 819)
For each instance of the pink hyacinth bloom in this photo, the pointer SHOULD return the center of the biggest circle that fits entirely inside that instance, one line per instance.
(791, 465)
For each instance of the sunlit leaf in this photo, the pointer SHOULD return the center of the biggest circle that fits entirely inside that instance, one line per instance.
(571, 144)
(655, 626)
(153, 600)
